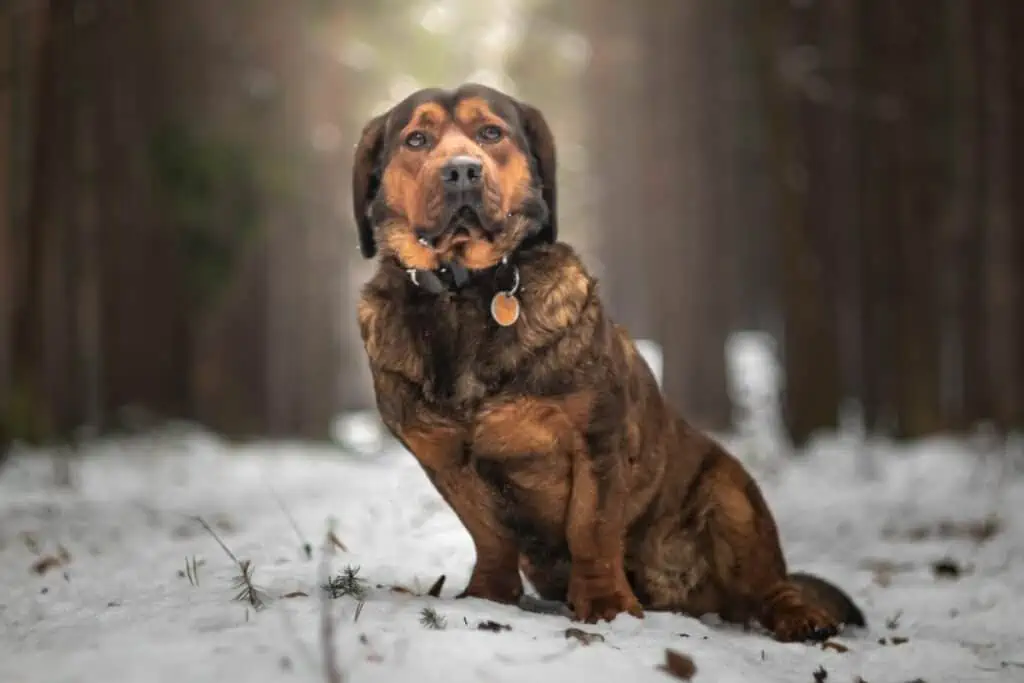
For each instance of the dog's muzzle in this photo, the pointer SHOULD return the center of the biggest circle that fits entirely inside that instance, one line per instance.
(462, 180)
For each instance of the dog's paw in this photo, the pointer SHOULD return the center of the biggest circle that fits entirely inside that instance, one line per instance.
(598, 592)
(804, 623)
(591, 608)
(505, 589)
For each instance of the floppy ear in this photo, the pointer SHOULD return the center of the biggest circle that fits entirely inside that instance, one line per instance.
(542, 147)
(366, 181)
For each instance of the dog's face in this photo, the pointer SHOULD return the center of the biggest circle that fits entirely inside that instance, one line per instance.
(461, 176)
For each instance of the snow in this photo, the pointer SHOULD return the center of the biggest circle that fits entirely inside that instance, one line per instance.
(756, 381)
(122, 609)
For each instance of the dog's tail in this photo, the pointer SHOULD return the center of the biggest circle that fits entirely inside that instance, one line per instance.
(829, 597)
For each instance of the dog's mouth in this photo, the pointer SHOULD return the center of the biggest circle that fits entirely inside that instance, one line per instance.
(459, 226)
(465, 224)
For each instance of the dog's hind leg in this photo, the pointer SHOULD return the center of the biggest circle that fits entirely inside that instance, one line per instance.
(747, 563)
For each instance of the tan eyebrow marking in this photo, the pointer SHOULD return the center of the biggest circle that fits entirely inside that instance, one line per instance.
(427, 115)
(475, 110)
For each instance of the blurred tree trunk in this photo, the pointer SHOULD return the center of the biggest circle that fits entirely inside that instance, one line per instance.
(904, 73)
(40, 331)
(616, 153)
(269, 351)
(1003, 33)
(749, 248)
(85, 245)
(690, 234)
(208, 62)
(144, 316)
(1003, 354)
(878, 107)
(288, 231)
(810, 338)
(306, 262)
(665, 275)
(839, 29)
(918, 44)
(10, 92)
(26, 414)
(963, 379)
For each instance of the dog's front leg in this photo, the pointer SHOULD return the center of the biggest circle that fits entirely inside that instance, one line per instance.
(496, 572)
(439, 444)
(598, 587)
(595, 500)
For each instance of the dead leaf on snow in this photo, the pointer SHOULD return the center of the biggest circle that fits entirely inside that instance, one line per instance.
(833, 645)
(46, 563)
(678, 665)
(584, 637)
(948, 568)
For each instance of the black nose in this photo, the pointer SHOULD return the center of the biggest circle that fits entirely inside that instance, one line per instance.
(462, 173)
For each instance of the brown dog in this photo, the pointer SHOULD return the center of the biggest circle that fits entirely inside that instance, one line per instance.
(531, 412)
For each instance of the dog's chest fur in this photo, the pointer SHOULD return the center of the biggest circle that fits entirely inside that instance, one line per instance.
(461, 347)
(449, 346)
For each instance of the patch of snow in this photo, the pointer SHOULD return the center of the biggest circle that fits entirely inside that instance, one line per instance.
(360, 431)
(120, 607)
(756, 382)
(653, 355)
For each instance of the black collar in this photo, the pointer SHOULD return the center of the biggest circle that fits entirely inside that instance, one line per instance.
(452, 277)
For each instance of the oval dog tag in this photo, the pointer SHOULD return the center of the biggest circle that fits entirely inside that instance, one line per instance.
(505, 309)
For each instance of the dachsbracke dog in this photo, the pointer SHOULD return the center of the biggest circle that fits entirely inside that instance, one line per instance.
(532, 413)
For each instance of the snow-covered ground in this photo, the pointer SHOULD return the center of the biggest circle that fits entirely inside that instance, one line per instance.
(118, 604)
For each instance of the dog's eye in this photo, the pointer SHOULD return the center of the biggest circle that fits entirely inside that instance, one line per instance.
(490, 133)
(416, 140)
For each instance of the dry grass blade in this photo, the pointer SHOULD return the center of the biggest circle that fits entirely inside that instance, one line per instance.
(336, 542)
(221, 543)
(332, 673)
(307, 547)
(192, 571)
(247, 590)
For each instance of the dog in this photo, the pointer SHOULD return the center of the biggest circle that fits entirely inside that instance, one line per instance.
(531, 412)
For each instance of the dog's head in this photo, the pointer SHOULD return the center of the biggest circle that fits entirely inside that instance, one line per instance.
(463, 176)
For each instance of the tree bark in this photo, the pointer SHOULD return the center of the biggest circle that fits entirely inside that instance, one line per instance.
(1003, 355)
(809, 342)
